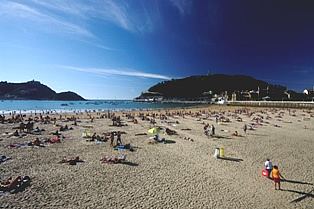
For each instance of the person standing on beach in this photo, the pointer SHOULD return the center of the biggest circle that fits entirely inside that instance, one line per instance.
(111, 139)
(206, 129)
(276, 176)
(269, 166)
(119, 142)
(212, 130)
(244, 128)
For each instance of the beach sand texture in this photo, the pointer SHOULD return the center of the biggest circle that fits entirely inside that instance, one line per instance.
(175, 175)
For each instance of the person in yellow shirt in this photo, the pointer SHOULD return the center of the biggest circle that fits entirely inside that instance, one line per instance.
(276, 176)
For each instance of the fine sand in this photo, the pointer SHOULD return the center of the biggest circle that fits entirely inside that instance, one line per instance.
(175, 175)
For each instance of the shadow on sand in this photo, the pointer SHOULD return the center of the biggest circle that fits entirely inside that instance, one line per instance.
(130, 163)
(293, 181)
(257, 134)
(220, 137)
(305, 195)
(230, 159)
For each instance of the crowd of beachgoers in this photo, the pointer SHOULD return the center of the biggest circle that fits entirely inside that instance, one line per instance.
(159, 159)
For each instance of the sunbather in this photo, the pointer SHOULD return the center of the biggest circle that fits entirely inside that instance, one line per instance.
(71, 161)
(170, 132)
(4, 158)
(10, 183)
(36, 142)
(13, 185)
(114, 160)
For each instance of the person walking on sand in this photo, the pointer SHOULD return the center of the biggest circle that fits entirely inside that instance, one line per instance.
(276, 176)
(244, 128)
(268, 166)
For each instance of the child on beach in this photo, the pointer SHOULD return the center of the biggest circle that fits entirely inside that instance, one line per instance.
(276, 176)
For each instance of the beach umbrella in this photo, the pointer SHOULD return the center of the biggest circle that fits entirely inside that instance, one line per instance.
(153, 131)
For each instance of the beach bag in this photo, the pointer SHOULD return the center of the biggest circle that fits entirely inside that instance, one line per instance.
(264, 173)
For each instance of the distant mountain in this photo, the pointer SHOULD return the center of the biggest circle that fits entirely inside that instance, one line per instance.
(33, 90)
(195, 87)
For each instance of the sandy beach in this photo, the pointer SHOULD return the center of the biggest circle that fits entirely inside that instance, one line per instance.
(184, 174)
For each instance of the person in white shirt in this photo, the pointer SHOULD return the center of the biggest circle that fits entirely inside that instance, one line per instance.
(269, 166)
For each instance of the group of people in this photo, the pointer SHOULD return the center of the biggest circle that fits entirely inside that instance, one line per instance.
(209, 130)
(274, 171)
(112, 136)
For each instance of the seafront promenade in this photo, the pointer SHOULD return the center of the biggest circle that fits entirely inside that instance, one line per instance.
(283, 104)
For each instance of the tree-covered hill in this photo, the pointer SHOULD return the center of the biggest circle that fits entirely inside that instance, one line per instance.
(195, 86)
(33, 90)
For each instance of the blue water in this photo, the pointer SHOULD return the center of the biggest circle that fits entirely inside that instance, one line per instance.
(43, 106)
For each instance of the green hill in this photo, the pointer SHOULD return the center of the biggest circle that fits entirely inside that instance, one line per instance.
(33, 90)
(204, 87)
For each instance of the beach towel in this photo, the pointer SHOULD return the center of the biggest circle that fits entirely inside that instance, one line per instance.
(13, 146)
(4, 158)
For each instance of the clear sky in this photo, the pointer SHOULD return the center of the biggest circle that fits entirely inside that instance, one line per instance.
(110, 49)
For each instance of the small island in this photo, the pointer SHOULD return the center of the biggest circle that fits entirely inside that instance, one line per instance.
(34, 90)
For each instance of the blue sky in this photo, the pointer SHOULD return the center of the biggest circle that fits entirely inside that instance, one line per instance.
(117, 49)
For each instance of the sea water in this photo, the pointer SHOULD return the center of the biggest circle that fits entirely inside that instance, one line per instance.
(48, 106)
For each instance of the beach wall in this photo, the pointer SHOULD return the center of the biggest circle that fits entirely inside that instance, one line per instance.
(282, 104)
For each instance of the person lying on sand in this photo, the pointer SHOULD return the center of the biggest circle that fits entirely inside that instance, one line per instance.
(56, 133)
(53, 140)
(17, 183)
(114, 160)
(10, 183)
(126, 146)
(4, 158)
(38, 130)
(188, 139)
(65, 128)
(36, 142)
(17, 134)
(170, 132)
(72, 161)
